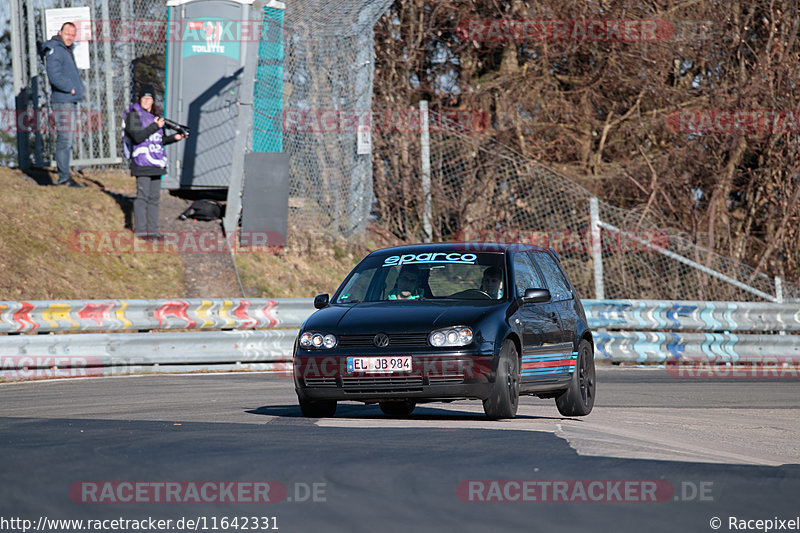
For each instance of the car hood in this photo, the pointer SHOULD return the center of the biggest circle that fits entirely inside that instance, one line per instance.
(400, 317)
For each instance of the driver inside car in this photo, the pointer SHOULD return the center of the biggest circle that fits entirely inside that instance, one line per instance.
(492, 282)
(408, 285)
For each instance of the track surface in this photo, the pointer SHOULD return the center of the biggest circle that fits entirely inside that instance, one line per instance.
(722, 448)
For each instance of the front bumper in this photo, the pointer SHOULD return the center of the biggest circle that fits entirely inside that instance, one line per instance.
(433, 376)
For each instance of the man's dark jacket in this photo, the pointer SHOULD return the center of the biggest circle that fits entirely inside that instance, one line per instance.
(62, 72)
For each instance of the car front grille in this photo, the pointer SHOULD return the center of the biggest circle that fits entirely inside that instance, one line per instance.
(382, 384)
(320, 382)
(440, 380)
(395, 339)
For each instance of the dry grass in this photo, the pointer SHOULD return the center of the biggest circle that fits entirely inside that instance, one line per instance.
(309, 265)
(38, 261)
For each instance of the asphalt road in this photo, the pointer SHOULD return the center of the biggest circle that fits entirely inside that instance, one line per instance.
(657, 454)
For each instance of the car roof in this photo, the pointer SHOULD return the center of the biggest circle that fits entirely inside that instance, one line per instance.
(464, 247)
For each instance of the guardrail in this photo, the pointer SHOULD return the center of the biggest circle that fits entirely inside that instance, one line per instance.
(120, 336)
(651, 331)
(139, 315)
(656, 315)
(76, 337)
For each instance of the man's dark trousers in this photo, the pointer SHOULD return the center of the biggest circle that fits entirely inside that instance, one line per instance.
(65, 119)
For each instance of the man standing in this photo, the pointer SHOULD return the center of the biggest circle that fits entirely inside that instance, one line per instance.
(66, 91)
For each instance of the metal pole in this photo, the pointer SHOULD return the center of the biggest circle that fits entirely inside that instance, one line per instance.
(779, 295)
(244, 121)
(20, 89)
(111, 119)
(597, 248)
(94, 95)
(127, 53)
(360, 190)
(425, 138)
(16, 50)
(33, 63)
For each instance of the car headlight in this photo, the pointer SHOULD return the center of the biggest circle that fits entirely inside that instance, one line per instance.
(457, 336)
(313, 340)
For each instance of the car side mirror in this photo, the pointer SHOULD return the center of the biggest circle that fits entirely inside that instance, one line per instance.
(321, 300)
(536, 296)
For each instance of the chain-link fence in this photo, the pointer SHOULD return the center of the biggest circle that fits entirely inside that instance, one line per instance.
(480, 189)
(485, 191)
(127, 41)
(633, 268)
(328, 65)
(320, 62)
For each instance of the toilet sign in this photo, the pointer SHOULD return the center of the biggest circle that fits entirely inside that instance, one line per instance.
(212, 35)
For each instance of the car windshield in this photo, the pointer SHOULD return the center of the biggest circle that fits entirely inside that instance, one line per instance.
(426, 276)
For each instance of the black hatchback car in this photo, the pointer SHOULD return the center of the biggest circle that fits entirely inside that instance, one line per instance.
(442, 322)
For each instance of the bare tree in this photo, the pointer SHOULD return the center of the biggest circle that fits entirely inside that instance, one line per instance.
(604, 111)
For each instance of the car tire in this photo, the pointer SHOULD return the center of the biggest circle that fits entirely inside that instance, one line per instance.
(578, 399)
(504, 397)
(318, 409)
(399, 409)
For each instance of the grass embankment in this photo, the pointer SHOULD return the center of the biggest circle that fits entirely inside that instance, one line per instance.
(41, 260)
(307, 267)
(38, 258)
(310, 264)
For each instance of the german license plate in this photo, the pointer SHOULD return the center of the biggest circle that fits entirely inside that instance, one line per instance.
(379, 365)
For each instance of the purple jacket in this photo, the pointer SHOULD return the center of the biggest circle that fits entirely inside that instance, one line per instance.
(148, 157)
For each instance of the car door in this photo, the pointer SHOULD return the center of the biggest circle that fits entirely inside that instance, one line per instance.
(539, 324)
(562, 301)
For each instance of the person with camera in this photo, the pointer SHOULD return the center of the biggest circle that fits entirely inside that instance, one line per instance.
(148, 160)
